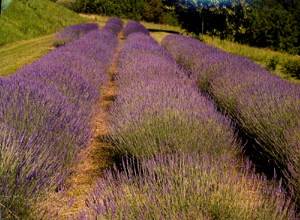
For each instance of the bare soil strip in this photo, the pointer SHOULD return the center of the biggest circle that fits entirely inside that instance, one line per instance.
(94, 159)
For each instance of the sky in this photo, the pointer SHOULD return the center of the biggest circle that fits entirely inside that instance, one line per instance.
(5, 3)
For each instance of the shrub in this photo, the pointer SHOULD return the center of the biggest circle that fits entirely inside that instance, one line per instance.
(153, 11)
(272, 63)
(134, 27)
(171, 115)
(292, 67)
(180, 150)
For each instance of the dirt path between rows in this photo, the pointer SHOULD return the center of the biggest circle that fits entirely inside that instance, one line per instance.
(95, 158)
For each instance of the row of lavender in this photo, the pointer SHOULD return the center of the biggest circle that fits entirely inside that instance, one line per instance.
(46, 110)
(180, 151)
(72, 33)
(265, 107)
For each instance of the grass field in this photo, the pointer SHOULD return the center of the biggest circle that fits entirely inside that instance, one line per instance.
(24, 20)
(27, 29)
(18, 54)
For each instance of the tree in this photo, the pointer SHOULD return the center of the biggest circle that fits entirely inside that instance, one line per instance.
(272, 26)
(216, 17)
(153, 11)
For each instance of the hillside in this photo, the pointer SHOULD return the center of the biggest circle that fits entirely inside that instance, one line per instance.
(24, 19)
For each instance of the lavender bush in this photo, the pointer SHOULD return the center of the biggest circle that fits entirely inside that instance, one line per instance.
(46, 131)
(186, 186)
(88, 68)
(114, 25)
(134, 27)
(159, 110)
(64, 79)
(45, 114)
(72, 33)
(265, 107)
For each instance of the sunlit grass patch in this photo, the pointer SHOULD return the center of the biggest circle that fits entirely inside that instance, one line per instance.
(24, 20)
(18, 54)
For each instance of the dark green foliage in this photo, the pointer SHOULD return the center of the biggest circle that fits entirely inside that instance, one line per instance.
(153, 11)
(220, 18)
(272, 63)
(148, 10)
(292, 67)
(274, 28)
(261, 23)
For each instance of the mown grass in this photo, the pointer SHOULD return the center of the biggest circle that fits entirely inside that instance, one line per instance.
(18, 54)
(26, 19)
(27, 29)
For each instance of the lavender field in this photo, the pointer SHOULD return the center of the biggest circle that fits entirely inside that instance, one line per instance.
(173, 127)
(46, 110)
(264, 106)
(181, 157)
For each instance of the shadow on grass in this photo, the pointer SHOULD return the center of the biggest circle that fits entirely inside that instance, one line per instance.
(160, 30)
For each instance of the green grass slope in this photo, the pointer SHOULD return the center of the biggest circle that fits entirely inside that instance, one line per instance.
(26, 19)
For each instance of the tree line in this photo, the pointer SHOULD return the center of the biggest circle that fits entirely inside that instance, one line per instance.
(261, 23)
(147, 10)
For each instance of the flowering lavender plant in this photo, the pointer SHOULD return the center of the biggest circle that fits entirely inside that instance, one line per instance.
(265, 107)
(72, 33)
(134, 27)
(186, 186)
(159, 110)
